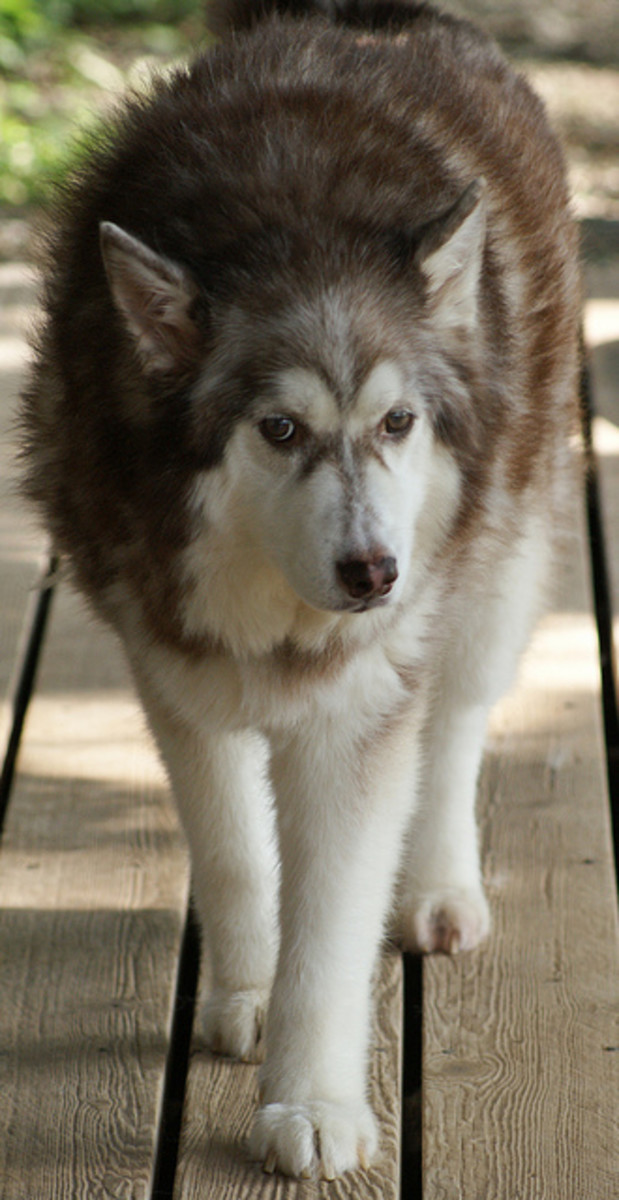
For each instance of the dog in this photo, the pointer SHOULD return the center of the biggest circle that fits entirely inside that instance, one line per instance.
(301, 420)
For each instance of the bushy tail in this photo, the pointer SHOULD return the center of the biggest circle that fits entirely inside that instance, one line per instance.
(225, 16)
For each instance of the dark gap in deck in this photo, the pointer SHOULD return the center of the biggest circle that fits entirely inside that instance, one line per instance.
(26, 677)
(603, 607)
(411, 1184)
(177, 1065)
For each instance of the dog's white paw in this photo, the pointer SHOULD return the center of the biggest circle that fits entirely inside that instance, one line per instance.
(318, 1137)
(232, 1023)
(449, 920)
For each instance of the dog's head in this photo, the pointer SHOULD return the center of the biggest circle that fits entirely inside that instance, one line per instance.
(321, 401)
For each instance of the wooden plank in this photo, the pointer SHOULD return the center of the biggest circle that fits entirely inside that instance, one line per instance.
(21, 545)
(220, 1104)
(521, 1039)
(93, 892)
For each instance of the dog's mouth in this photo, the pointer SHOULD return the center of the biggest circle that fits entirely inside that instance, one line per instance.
(372, 602)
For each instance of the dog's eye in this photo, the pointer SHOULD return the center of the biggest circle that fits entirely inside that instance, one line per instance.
(398, 422)
(278, 429)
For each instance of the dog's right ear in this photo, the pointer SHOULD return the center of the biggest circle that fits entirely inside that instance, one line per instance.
(155, 297)
(450, 255)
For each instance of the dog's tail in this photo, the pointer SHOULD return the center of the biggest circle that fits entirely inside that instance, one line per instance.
(226, 16)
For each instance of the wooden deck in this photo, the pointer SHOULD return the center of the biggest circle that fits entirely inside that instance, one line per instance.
(511, 1071)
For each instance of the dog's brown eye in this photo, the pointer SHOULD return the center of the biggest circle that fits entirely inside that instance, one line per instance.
(278, 429)
(398, 421)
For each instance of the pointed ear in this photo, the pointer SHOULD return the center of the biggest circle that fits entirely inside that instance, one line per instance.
(450, 256)
(155, 297)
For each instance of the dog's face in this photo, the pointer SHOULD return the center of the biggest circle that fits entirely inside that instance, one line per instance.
(329, 491)
(315, 421)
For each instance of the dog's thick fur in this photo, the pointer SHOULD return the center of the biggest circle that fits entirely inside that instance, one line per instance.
(300, 419)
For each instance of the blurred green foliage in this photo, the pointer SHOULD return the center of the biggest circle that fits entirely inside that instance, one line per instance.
(60, 62)
(24, 20)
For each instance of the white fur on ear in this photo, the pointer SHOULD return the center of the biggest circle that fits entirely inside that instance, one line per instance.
(154, 295)
(451, 258)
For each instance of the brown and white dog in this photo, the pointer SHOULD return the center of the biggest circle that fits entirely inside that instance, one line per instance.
(300, 420)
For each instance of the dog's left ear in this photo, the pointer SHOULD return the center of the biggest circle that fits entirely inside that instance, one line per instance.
(450, 256)
(155, 296)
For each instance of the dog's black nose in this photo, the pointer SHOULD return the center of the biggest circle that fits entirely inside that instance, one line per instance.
(365, 578)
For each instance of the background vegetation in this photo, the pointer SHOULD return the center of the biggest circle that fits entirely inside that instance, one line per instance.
(61, 61)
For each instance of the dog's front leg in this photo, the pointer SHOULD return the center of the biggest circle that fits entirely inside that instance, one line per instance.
(441, 903)
(342, 805)
(223, 797)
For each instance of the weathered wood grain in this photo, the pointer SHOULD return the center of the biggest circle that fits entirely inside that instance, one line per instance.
(220, 1104)
(93, 891)
(521, 1039)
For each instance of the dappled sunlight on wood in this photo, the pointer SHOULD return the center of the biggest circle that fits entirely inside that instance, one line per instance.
(605, 438)
(601, 320)
(562, 655)
(543, 719)
(110, 877)
(14, 353)
(90, 735)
